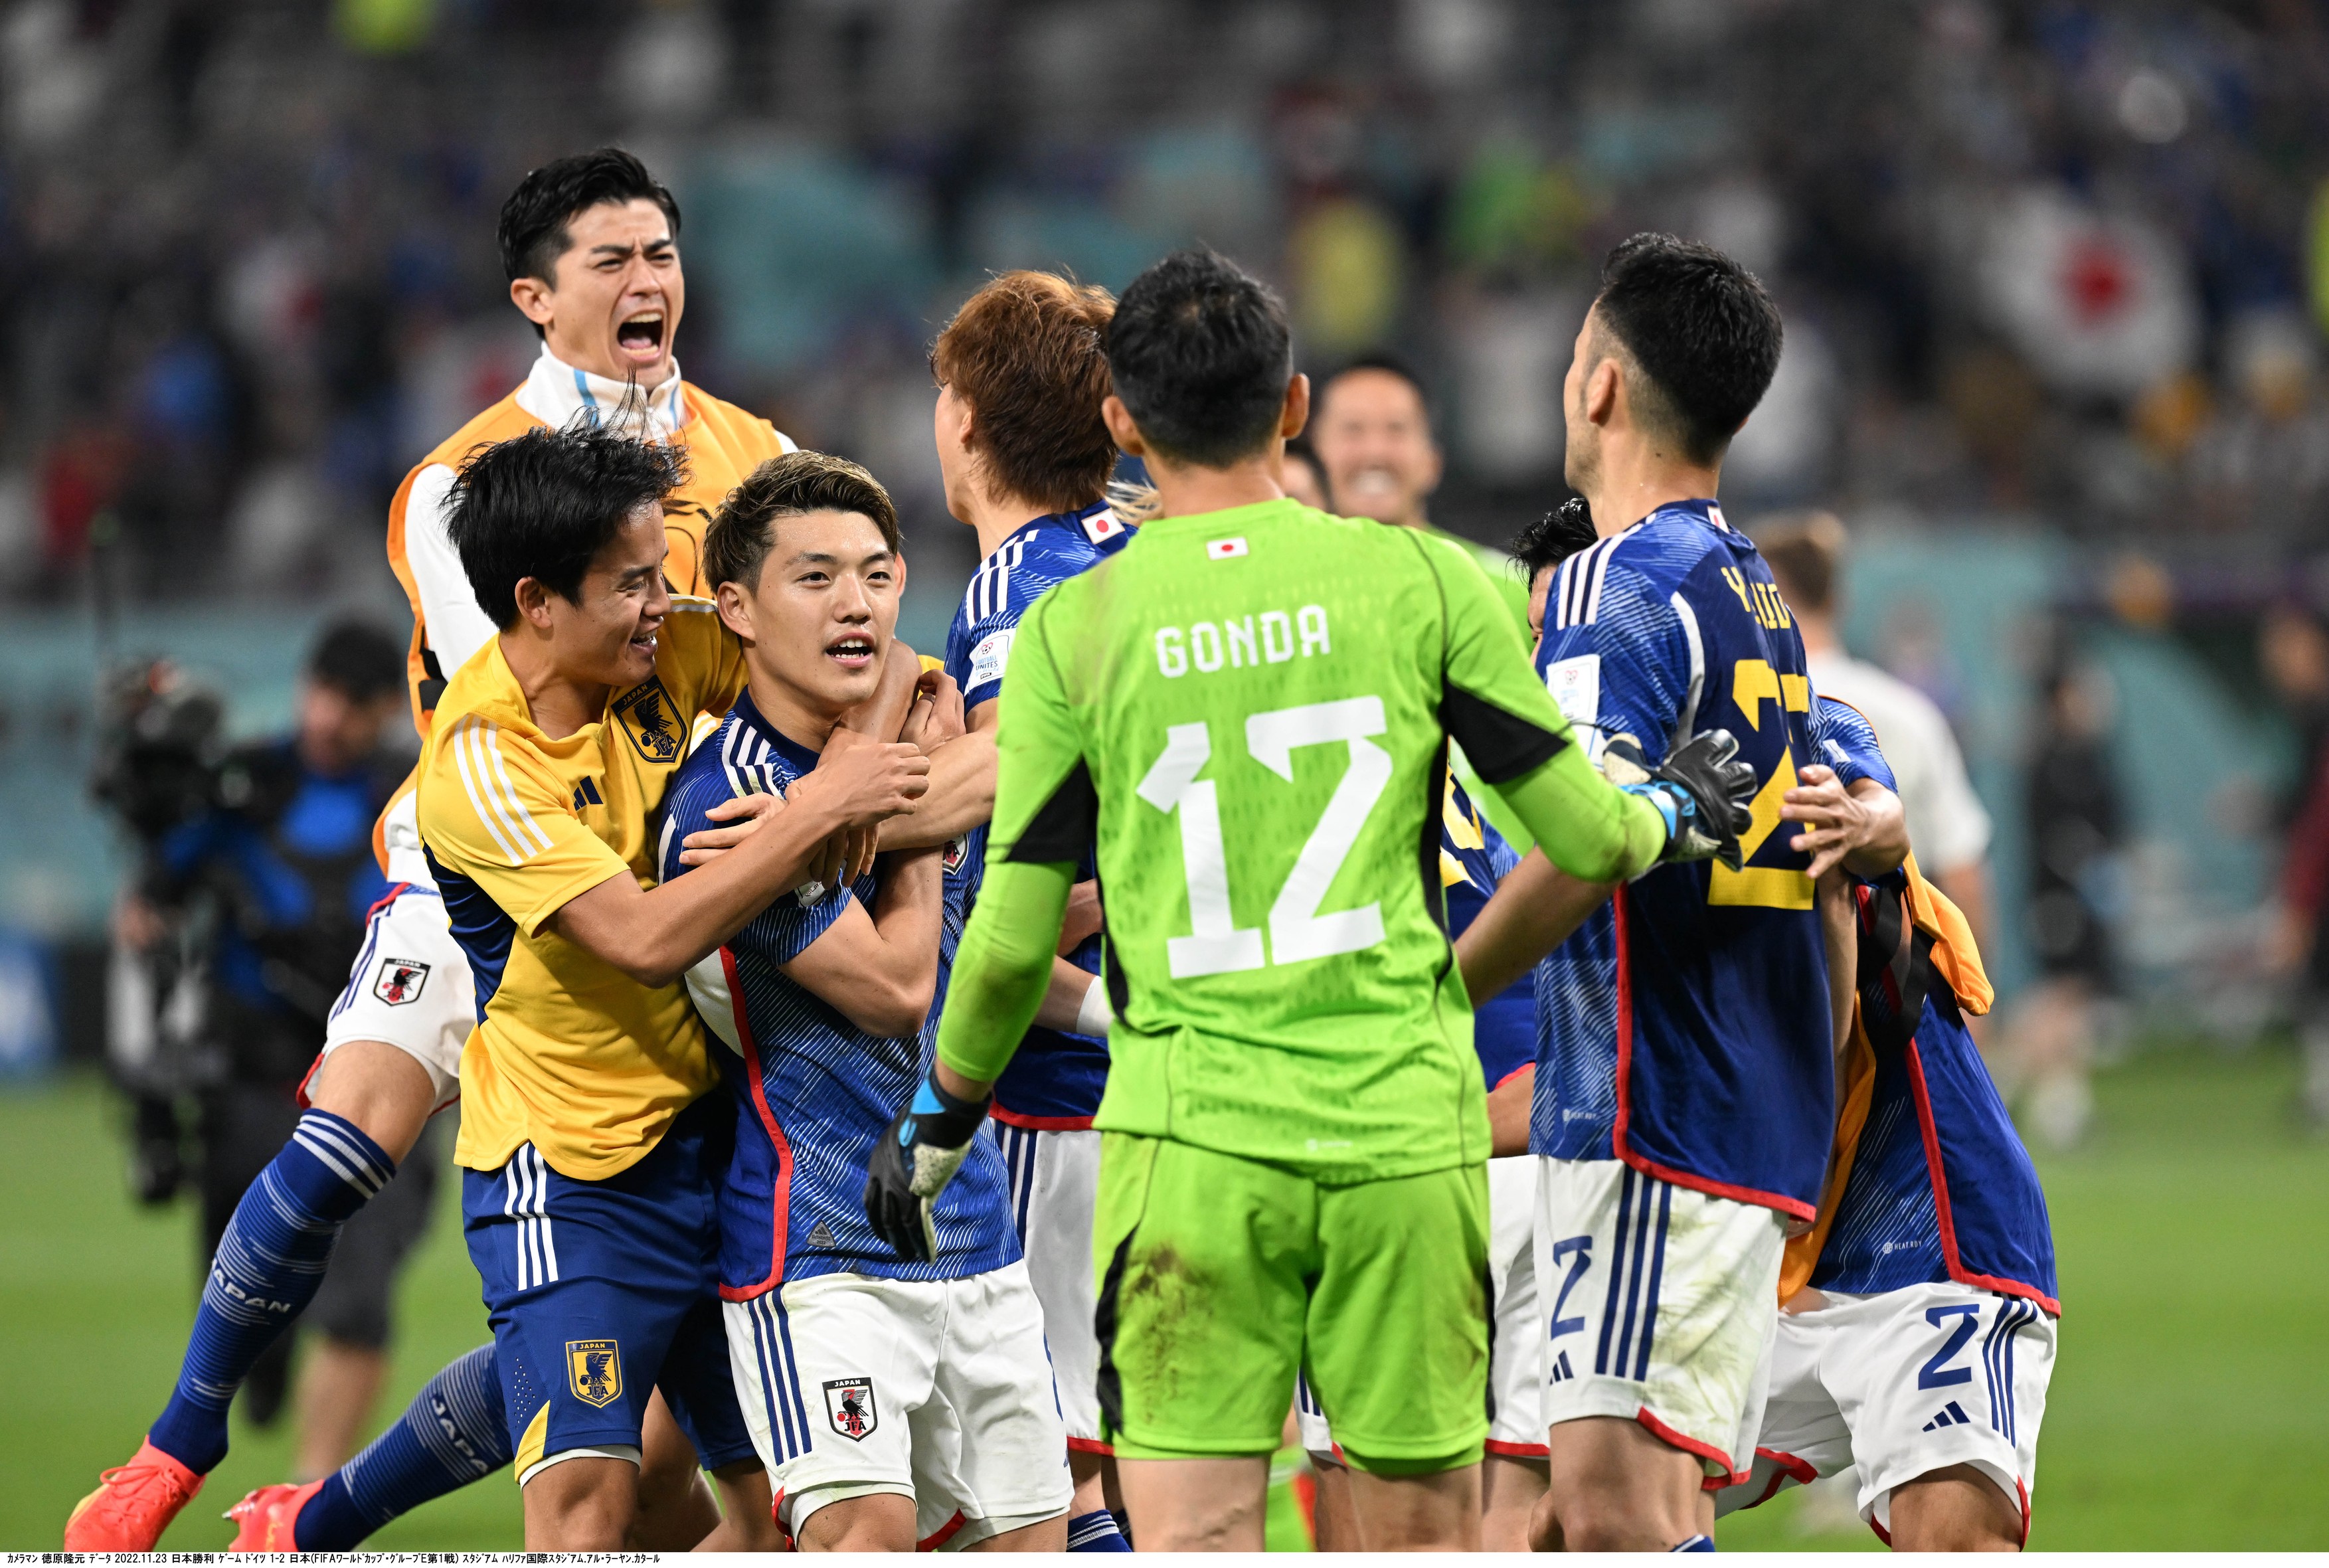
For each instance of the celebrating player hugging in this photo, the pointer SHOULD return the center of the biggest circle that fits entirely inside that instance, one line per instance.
(733, 924)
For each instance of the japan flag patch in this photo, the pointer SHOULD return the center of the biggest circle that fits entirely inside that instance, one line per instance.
(1223, 548)
(400, 981)
(1102, 526)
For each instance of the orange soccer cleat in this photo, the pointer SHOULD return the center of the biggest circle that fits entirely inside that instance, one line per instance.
(264, 1519)
(133, 1504)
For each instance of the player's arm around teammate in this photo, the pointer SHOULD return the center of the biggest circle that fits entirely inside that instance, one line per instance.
(1231, 1251)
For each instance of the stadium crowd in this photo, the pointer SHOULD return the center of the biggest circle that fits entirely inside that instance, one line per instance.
(2055, 259)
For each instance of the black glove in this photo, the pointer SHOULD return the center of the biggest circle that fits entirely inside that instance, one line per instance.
(913, 1162)
(1706, 796)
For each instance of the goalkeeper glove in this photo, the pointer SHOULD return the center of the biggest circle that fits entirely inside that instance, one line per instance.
(1702, 789)
(912, 1163)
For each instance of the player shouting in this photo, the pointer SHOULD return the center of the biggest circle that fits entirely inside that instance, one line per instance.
(1916, 1338)
(893, 1402)
(589, 246)
(1685, 1087)
(1249, 703)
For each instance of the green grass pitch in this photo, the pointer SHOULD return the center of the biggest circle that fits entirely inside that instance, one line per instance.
(2188, 1409)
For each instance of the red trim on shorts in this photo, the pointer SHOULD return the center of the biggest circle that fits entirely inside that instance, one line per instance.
(784, 1183)
(1789, 1465)
(1041, 1123)
(946, 1533)
(1077, 1445)
(1621, 1149)
(1941, 1213)
(1517, 1450)
(1672, 1438)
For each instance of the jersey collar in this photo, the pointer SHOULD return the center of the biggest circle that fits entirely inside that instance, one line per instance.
(557, 393)
(796, 757)
(1095, 525)
(1706, 511)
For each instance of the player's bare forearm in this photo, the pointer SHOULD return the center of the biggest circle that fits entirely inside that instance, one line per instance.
(961, 795)
(879, 968)
(652, 936)
(1002, 969)
(1533, 911)
(1586, 825)
(1510, 1106)
(884, 714)
(1063, 998)
(1840, 935)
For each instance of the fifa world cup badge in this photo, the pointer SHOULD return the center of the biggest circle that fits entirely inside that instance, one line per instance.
(849, 1404)
(594, 1370)
(400, 981)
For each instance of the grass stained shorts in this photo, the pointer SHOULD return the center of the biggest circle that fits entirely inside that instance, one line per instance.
(1221, 1277)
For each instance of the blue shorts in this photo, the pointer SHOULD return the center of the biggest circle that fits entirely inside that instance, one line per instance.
(600, 1290)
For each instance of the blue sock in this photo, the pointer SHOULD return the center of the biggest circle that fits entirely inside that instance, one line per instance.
(1095, 1532)
(453, 1433)
(1695, 1544)
(266, 1269)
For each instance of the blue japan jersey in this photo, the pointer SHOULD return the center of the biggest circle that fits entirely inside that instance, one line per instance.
(1474, 858)
(1056, 1079)
(814, 1092)
(1685, 1027)
(1941, 1188)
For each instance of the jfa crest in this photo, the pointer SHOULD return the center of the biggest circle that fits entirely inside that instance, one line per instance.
(400, 981)
(958, 850)
(849, 1404)
(594, 1370)
(646, 714)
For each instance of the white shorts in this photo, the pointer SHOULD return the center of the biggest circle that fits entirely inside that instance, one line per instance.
(1902, 1384)
(1515, 1331)
(1054, 1184)
(410, 988)
(934, 1390)
(1661, 1303)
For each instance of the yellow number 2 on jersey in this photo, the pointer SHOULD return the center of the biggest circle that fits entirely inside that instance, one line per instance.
(1752, 682)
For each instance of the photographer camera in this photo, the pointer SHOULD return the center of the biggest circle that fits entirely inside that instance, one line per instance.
(247, 914)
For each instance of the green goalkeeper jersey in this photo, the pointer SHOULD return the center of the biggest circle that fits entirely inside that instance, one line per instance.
(1247, 712)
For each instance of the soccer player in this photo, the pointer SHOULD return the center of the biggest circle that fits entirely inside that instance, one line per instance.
(591, 1145)
(892, 1401)
(1916, 1334)
(1684, 1085)
(589, 245)
(1247, 706)
(1026, 457)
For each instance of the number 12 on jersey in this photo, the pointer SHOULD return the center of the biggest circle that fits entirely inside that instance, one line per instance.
(1216, 944)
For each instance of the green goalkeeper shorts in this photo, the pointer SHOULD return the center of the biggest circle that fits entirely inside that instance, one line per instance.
(1221, 1277)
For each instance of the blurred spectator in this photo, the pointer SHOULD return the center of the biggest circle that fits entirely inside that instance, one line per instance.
(2294, 649)
(2076, 823)
(269, 868)
(2263, 463)
(1947, 828)
(1300, 478)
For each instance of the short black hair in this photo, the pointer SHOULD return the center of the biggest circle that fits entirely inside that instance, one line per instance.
(543, 505)
(533, 231)
(1700, 327)
(1388, 364)
(737, 544)
(358, 660)
(1554, 537)
(1200, 352)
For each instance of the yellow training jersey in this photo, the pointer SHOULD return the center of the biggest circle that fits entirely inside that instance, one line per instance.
(571, 1054)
